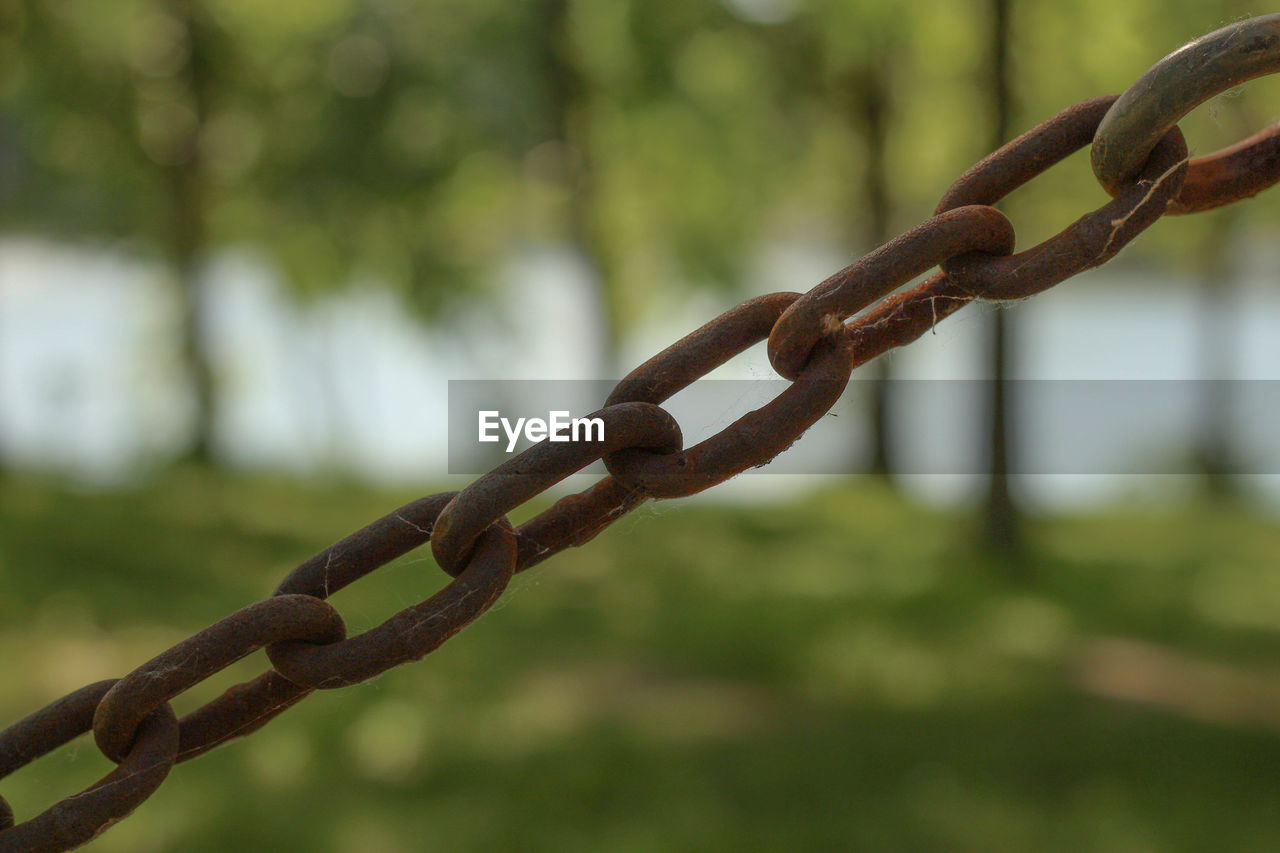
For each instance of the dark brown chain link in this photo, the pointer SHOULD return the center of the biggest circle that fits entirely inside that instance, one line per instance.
(812, 342)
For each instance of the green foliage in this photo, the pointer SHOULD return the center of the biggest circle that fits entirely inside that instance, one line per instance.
(327, 135)
(409, 142)
(831, 674)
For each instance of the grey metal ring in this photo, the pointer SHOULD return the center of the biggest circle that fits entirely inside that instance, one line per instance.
(1173, 87)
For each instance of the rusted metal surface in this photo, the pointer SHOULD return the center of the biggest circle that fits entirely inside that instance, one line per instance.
(412, 633)
(573, 521)
(239, 711)
(1173, 87)
(753, 439)
(1140, 156)
(1089, 241)
(951, 233)
(82, 817)
(899, 319)
(134, 697)
(703, 350)
(638, 425)
(1233, 174)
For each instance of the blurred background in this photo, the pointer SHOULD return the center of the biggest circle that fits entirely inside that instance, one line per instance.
(245, 246)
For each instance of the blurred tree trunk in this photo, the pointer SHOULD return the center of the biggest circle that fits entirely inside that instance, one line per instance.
(568, 105)
(1001, 528)
(868, 111)
(187, 238)
(1218, 300)
(1217, 303)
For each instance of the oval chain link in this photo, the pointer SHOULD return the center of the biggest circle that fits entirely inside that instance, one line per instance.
(528, 474)
(80, 818)
(1173, 87)
(172, 672)
(753, 439)
(1089, 241)
(965, 230)
(415, 631)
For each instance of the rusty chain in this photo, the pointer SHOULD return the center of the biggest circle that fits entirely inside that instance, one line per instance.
(1138, 155)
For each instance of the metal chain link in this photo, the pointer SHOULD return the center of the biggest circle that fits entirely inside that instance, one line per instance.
(1139, 156)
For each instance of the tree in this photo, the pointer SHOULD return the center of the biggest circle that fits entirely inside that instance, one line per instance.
(567, 103)
(869, 94)
(1001, 525)
(1216, 302)
(651, 119)
(181, 128)
(111, 128)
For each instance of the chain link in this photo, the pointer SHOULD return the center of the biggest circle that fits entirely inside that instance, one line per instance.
(1092, 239)
(80, 818)
(642, 426)
(753, 439)
(1172, 88)
(1138, 155)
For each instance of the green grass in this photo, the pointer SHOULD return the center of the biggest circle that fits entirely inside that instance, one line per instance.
(840, 672)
